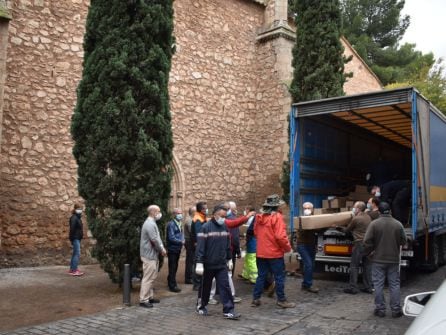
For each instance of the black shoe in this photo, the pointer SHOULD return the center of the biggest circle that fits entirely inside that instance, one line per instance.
(175, 289)
(379, 313)
(397, 314)
(145, 304)
(154, 301)
(350, 291)
(367, 290)
(188, 282)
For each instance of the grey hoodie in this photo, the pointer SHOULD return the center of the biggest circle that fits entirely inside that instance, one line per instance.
(151, 244)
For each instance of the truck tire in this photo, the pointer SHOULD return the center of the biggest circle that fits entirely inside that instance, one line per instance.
(434, 255)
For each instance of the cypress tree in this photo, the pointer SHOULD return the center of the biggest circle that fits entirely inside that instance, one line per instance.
(121, 124)
(318, 59)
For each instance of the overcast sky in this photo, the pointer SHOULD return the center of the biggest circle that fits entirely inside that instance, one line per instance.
(427, 26)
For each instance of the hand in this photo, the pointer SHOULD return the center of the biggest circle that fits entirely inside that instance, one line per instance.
(251, 214)
(164, 253)
(199, 269)
(230, 264)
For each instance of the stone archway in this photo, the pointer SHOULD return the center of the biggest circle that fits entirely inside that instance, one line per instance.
(177, 186)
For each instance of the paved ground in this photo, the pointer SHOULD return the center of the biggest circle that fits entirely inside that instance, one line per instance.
(329, 312)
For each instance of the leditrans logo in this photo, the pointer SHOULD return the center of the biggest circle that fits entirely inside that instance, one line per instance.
(338, 268)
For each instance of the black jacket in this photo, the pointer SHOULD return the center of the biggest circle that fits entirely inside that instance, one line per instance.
(213, 246)
(76, 232)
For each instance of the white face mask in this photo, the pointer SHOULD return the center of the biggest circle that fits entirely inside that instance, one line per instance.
(377, 194)
(220, 221)
(78, 211)
(158, 216)
(229, 212)
(354, 210)
(207, 211)
(307, 212)
(179, 217)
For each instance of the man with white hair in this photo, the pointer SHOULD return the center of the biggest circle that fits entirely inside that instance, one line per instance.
(306, 247)
(150, 248)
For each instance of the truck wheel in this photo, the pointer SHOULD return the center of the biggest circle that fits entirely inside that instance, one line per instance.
(434, 255)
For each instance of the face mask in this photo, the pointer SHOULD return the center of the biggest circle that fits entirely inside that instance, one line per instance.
(244, 213)
(307, 212)
(354, 210)
(158, 216)
(377, 194)
(78, 211)
(207, 211)
(229, 212)
(220, 221)
(179, 217)
(369, 206)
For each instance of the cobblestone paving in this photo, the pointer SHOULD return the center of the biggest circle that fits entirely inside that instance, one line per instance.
(331, 312)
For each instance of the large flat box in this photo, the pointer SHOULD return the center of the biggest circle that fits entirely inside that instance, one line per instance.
(322, 220)
(359, 196)
(349, 203)
(334, 203)
(318, 211)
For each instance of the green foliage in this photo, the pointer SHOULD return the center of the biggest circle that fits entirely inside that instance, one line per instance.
(374, 28)
(121, 125)
(431, 82)
(318, 59)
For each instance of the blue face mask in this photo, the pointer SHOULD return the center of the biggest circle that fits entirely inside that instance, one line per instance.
(179, 217)
(369, 206)
(229, 212)
(220, 221)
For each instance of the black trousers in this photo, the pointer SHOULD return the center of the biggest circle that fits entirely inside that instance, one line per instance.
(222, 281)
(189, 266)
(173, 258)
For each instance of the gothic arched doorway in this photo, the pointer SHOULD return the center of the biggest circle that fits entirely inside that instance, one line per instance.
(177, 186)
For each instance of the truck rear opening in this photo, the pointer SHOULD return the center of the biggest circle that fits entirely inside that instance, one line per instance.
(370, 139)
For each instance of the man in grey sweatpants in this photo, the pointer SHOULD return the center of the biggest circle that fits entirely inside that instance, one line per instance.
(383, 240)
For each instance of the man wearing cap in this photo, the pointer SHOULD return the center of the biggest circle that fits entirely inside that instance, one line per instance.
(272, 244)
(214, 259)
(383, 240)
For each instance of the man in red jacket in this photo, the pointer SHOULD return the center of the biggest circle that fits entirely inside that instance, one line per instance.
(272, 244)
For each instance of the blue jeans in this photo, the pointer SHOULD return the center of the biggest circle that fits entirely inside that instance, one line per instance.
(76, 254)
(277, 267)
(379, 273)
(307, 253)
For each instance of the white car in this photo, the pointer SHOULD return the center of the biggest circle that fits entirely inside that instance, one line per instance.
(430, 311)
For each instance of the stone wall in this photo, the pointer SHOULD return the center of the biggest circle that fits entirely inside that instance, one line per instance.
(229, 104)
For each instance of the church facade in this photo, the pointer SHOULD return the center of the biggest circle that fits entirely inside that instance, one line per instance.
(229, 103)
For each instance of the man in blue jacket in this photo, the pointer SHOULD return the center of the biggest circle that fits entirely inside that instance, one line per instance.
(175, 241)
(214, 259)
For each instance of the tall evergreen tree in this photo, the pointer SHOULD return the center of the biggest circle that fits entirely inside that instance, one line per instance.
(374, 28)
(121, 124)
(318, 58)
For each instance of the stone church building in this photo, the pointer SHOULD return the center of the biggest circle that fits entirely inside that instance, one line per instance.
(229, 103)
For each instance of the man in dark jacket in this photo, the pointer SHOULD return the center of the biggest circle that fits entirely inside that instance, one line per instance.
(358, 227)
(76, 234)
(383, 241)
(398, 194)
(175, 241)
(213, 258)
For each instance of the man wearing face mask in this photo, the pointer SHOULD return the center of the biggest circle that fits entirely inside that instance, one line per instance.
(175, 242)
(398, 194)
(150, 248)
(306, 247)
(372, 208)
(198, 221)
(214, 259)
(358, 227)
(75, 236)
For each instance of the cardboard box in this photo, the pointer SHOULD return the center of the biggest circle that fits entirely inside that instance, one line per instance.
(361, 189)
(318, 211)
(322, 221)
(359, 196)
(345, 209)
(349, 203)
(334, 203)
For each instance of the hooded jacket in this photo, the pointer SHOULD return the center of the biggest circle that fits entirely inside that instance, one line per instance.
(270, 231)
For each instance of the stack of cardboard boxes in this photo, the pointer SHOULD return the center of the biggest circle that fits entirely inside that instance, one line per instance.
(334, 211)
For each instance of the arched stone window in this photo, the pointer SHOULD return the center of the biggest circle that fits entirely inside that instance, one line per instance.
(177, 188)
